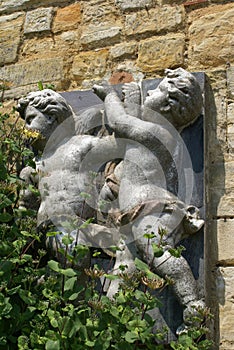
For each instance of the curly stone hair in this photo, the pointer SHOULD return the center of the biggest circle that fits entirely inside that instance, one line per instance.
(48, 102)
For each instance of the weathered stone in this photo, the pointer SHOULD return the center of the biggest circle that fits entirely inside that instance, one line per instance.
(123, 50)
(230, 113)
(96, 11)
(225, 285)
(230, 82)
(220, 189)
(90, 65)
(45, 70)
(38, 20)
(165, 18)
(171, 2)
(162, 52)
(12, 5)
(134, 4)
(221, 176)
(120, 78)
(9, 6)
(101, 35)
(10, 28)
(225, 206)
(67, 18)
(230, 135)
(211, 33)
(37, 48)
(225, 228)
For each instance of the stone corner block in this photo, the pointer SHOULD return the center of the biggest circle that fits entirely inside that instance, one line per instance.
(38, 20)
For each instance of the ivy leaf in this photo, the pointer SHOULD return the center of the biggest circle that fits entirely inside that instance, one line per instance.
(40, 85)
(131, 336)
(177, 251)
(54, 265)
(4, 201)
(69, 284)
(5, 217)
(158, 251)
(52, 345)
(66, 240)
(68, 272)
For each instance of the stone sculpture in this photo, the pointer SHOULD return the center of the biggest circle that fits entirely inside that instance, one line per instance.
(66, 140)
(150, 193)
(153, 180)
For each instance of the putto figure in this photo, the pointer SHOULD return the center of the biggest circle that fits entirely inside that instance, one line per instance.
(153, 192)
(66, 143)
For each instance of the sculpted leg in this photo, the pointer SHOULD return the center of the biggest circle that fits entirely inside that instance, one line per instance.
(185, 286)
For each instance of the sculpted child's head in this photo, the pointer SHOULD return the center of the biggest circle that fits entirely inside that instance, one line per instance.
(178, 98)
(44, 111)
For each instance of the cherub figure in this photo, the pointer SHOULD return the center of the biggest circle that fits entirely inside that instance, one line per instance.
(152, 191)
(71, 149)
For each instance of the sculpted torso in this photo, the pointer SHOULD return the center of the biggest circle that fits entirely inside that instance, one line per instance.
(62, 180)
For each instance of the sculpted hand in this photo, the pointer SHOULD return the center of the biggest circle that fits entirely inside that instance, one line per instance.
(102, 90)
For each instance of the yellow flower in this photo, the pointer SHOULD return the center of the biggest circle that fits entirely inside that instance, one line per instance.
(31, 134)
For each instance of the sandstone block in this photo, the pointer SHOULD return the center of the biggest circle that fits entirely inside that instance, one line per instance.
(90, 65)
(12, 5)
(125, 5)
(211, 37)
(123, 50)
(230, 82)
(166, 18)
(33, 48)
(221, 175)
(230, 113)
(67, 18)
(10, 28)
(45, 70)
(101, 35)
(226, 307)
(96, 11)
(9, 6)
(38, 20)
(159, 53)
(225, 241)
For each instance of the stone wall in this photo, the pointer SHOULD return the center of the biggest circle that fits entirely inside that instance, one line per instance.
(73, 44)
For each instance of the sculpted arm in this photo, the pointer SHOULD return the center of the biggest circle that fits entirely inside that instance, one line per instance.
(132, 128)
